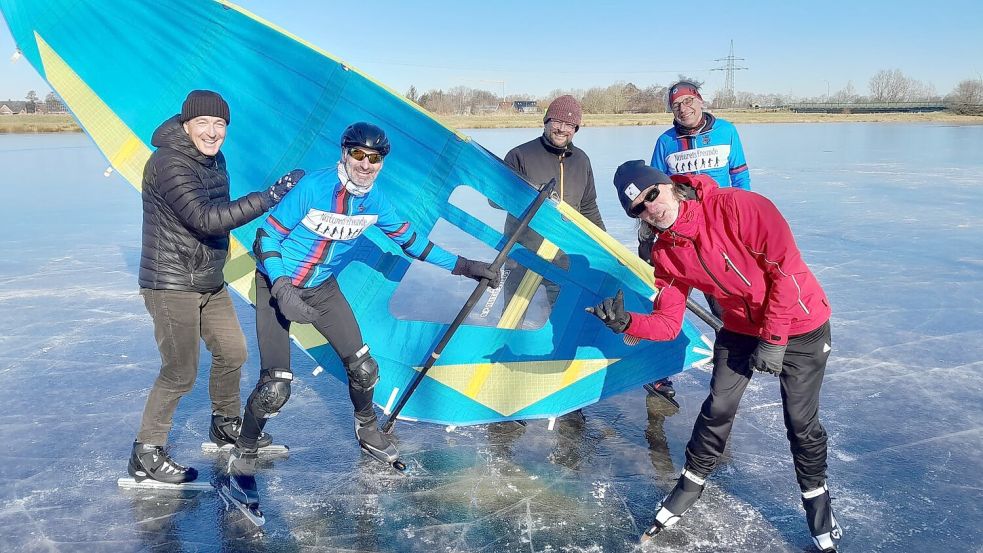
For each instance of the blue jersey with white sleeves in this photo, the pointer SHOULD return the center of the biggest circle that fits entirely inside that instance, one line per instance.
(310, 233)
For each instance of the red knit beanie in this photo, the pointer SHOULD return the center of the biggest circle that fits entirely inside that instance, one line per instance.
(566, 109)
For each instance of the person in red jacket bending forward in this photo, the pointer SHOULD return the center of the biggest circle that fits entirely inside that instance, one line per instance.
(735, 246)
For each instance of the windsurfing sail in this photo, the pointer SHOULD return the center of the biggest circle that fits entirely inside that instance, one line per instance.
(528, 350)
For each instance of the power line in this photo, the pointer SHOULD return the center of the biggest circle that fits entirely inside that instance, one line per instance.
(729, 67)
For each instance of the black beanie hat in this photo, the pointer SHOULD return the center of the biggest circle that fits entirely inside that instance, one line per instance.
(204, 102)
(632, 178)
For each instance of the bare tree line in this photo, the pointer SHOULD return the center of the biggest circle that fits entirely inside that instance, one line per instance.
(32, 103)
(885, 86)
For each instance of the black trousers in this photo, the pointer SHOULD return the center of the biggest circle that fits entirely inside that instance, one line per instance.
(335, 321)
(801, 379)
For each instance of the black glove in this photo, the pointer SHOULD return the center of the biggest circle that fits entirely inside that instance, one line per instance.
(477, 270)
(767, 357)
(282, 185)
(612, 312)
(292, 306)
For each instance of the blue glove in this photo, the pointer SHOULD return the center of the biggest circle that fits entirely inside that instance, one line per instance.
(612, 312)
(282, 185)
(767, 357)
(477, 270)
(291, 304)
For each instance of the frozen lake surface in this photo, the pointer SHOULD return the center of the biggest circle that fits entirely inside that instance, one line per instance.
(887, 215)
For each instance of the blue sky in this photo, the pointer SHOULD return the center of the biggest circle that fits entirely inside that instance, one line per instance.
(797, 48)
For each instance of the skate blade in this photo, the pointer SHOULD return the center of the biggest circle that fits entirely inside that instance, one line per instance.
(649, 534)
(652, 391)
(389, 460)
(251, 512)
(272, 449)
(129, 483)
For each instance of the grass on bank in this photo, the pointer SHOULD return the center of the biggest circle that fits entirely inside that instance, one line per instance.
(61, 122)
(65, 122)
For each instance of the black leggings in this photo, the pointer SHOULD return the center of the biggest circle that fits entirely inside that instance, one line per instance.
(335, 322)
(802, 377)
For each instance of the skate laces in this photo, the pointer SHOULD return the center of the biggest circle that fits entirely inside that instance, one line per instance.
(163, 461)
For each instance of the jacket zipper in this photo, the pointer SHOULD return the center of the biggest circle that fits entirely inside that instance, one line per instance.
(561, 177)
(734, 268)
(747, 308)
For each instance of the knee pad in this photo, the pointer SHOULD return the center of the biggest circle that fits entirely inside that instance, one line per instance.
(271, 392)
(363, 371)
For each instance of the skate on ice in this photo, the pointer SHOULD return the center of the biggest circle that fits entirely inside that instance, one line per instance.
(688, 489)
(150, 467)
(238, 488)
(377, 444)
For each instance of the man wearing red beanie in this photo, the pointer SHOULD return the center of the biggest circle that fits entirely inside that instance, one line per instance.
(552, 155)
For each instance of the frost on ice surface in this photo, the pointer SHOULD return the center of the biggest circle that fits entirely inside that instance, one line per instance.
(902, 401)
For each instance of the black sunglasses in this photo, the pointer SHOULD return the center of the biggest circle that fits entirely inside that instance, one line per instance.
(637, 209)
(359, 155)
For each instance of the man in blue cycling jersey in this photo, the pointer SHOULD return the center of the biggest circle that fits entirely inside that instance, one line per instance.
(299, 249)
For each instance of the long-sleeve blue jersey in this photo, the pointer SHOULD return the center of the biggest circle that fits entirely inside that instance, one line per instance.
(715, 149)
(308, 235)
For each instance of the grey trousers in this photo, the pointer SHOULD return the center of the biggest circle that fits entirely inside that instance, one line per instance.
(181, 321)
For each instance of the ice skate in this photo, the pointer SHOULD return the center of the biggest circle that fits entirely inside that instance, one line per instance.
(225, 430)
(151, 467)
(663, 389)
(376, 443)
(819, 514)
(688, 489)
(238, 489)
(223, 433)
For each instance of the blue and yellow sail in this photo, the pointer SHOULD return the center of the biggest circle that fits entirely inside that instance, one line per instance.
(122, 67)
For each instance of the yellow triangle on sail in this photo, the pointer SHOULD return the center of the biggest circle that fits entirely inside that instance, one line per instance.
(516, 385)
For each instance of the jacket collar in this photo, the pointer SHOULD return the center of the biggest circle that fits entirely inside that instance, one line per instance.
(691, 215)
(705, 125)
(566, 151)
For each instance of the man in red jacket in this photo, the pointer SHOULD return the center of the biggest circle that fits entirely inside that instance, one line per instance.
(735, 246)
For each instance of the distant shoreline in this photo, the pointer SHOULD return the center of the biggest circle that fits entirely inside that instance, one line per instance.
(531, 120)
(37, 124)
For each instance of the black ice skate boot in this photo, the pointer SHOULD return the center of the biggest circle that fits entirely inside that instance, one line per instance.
(150, 461)
(225, 431)
(239, 488)
(688, 489)
(819, 514)
(374, 442)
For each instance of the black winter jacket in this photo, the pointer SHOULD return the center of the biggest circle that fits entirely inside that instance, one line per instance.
(539, 161)
(187, 214)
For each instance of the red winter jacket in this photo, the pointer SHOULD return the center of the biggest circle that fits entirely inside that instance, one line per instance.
(735, 246)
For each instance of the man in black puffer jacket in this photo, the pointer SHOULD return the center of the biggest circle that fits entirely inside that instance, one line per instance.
(187, 216)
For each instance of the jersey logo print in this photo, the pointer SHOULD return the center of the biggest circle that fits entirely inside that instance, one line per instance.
(699, 159)
(336, 226)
